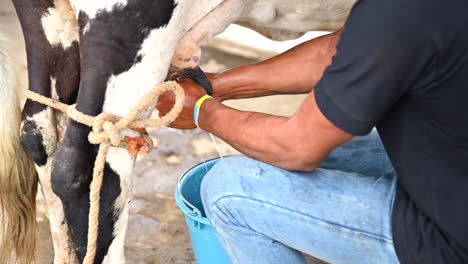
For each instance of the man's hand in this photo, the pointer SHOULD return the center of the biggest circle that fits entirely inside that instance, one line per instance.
(192, 93)
(299, 142)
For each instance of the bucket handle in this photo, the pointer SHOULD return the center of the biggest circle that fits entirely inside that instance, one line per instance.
(194, 211)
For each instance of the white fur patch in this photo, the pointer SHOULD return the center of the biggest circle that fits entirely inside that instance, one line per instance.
(74, 6)
(92, 7)
(122, 163)
(63, 248)
(61, 119)
(282, 20)
(263, 11)
(115, 254)
(60, 25)
(126, 89)
(53, 87)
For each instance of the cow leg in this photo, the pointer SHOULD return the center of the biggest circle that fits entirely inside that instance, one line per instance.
(120, 47)
(52, 52)
(39, 136)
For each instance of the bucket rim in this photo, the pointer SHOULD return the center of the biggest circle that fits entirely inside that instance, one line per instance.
(193, 213)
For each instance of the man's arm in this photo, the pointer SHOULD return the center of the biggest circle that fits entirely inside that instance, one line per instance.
(295, 71)
(300, 142)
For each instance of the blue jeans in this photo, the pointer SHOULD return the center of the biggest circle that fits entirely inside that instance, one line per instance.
(339, 213)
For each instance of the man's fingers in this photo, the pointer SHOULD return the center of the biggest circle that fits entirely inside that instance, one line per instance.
(165, 102)
(186, 81)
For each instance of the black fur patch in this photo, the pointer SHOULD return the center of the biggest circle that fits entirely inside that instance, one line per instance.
(32, 141)
(65, 68)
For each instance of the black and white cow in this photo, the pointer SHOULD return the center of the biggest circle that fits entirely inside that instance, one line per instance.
(104, 56)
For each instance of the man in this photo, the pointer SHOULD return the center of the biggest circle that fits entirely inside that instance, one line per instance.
(400, 66)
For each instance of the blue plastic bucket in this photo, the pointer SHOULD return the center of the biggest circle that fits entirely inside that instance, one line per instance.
(206, 247)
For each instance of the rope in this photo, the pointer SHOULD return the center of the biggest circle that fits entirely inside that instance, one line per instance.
(105, 133)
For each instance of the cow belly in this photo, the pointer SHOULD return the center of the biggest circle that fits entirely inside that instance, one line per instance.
(283, 20)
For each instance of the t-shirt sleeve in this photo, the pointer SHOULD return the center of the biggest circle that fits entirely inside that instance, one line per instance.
(381, 57)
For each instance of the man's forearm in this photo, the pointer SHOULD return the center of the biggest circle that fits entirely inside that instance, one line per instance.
(256, 135)
(294, 72)
(299, 142)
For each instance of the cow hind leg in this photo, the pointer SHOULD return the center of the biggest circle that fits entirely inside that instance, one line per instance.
(40, 135)
(53, 67)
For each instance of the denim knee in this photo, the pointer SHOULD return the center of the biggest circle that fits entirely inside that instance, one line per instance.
(222, 180)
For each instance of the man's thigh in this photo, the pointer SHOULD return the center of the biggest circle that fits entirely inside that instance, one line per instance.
(337, 216)
(364, 155)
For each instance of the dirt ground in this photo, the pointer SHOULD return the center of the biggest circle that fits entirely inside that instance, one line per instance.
(157, 233)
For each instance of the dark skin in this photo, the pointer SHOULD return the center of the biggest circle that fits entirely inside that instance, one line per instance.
(300, 142)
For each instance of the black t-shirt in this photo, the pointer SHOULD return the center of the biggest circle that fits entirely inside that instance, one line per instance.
(402, 66)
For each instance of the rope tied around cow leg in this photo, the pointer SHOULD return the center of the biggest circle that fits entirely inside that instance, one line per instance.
(105, 133)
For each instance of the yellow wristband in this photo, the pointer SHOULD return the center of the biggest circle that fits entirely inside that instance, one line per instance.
(196, 109)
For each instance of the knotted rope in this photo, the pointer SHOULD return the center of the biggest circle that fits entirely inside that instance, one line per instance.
(105, 132)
